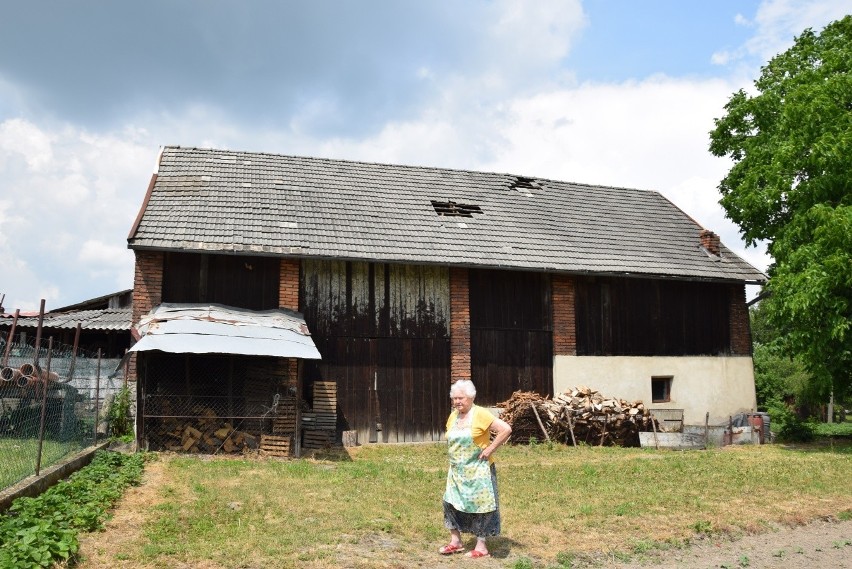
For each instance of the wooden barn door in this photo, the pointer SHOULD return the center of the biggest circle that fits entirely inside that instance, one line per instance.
(382, 331)
(511, 334)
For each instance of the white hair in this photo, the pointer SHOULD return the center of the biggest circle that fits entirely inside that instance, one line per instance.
(465, 387)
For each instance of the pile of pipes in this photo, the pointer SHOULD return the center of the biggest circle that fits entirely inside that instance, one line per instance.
(579, 415)
(28, 375)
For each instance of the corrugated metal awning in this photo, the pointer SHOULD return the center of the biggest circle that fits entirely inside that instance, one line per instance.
(218, 329)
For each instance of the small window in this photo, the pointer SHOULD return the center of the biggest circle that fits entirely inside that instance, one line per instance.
(661, 389)
(453, 209)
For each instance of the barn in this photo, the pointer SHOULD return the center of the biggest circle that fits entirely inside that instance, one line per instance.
(408, 278)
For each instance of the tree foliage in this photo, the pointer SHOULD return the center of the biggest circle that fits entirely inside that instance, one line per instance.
(791, 185)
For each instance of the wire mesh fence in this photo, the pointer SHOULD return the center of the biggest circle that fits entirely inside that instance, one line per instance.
(51, 405)
(218, 403)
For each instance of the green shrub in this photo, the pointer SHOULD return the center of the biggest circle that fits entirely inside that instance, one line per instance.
(119, 417)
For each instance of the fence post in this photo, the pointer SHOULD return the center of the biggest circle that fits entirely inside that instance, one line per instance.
(97, 396)
(44, 380)
(11, 337)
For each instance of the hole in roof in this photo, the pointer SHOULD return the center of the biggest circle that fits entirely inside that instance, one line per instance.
(523, 184)
(453, 209)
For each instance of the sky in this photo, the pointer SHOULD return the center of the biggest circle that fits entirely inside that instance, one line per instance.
(605, 92)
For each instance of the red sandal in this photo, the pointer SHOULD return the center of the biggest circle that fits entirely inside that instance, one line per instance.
(476, 554)
(449, 549)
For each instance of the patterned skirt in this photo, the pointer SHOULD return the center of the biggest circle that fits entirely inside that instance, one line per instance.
(480, 525)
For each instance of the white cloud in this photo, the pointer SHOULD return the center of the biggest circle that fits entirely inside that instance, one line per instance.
(776, 25)
(23, 139)
(536, 32)
(69, 200)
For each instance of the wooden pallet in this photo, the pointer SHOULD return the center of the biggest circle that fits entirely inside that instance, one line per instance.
(274, 445)
(317, 439)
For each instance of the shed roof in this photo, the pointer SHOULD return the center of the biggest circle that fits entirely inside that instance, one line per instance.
(105, 320)
(220, 201)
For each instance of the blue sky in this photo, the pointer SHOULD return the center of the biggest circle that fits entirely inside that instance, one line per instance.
(609, 92)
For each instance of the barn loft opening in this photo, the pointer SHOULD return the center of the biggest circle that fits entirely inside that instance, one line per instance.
(453, 209)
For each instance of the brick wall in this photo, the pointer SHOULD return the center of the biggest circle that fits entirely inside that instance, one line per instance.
(564, 324)
(739, 322)
(288, 284)
(147, 292)
(459, 324)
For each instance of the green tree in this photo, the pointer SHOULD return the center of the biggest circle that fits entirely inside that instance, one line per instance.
(791, 186)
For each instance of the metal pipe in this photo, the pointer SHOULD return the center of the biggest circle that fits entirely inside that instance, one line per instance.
(37, 372)
(27, 381)
(9, 374)
(11, 337)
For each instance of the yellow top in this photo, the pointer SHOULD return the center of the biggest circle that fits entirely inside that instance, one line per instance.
(481, 419)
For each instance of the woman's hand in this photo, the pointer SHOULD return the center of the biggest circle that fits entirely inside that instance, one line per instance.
(501, 431)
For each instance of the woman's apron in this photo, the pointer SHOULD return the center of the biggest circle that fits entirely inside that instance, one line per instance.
(469, 485)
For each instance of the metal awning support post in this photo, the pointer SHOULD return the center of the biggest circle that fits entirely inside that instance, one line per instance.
(97, 395)
(44, 381)
(11, 337)
(74, 352)
(38, 334)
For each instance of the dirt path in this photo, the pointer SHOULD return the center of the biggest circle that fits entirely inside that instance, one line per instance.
(821, 544)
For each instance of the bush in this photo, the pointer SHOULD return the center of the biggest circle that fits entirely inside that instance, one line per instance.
(787, 425)
(118, 417)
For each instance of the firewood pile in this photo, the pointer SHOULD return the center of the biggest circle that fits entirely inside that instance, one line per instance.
(579, 415)
(206, 433)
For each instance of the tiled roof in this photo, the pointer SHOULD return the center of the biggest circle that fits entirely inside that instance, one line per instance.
(108, 319)
(207, 200)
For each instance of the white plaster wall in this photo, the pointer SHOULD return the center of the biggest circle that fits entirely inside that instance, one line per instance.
(720, 385)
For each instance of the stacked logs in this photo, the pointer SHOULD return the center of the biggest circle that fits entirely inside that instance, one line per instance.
(579, 415)
(206, 433)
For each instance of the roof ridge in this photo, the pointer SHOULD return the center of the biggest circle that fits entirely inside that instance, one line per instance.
(410, 167)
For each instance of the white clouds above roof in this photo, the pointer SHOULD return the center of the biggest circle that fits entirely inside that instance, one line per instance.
(606, 93)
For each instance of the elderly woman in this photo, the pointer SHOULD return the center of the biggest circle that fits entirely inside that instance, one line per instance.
(470, 500)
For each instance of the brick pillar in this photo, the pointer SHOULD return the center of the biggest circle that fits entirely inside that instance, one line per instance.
(739, 322)
(564, 323)
(288, 297)
(147, 283)
(288, 284)
(459, 325)
(147, 292)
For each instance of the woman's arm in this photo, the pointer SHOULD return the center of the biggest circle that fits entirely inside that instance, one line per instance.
(501, 430)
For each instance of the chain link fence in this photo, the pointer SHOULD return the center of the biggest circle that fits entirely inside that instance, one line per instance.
(51, 406)
(217, 403)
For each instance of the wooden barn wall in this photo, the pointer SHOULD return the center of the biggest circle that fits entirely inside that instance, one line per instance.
(233, 280)
(643, 317)
(511, 334)
(383, 332)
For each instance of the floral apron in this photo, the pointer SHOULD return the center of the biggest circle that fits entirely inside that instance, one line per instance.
(469, 485)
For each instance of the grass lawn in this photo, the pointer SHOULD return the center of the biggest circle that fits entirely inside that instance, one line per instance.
(18, 458)
(376, 505)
